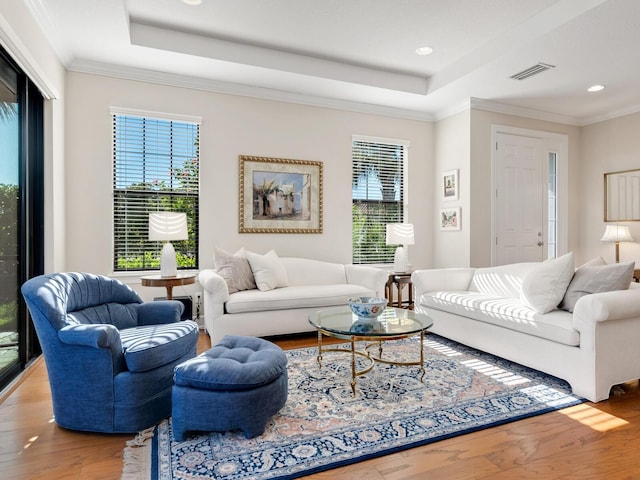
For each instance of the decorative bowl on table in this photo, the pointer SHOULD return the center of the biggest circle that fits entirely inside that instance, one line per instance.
(367, 307)
(368, 325)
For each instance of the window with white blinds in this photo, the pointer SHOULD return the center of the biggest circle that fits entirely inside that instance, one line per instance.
(155, 169)
(378, 193)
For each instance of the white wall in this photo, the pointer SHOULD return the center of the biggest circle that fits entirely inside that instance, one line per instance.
(24, 41)
(481, 171)
(231, 126)
(609, 146)
(452, 151)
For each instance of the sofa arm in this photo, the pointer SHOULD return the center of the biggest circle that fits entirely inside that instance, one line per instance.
(600, 307)
(373, 278)
(438, 279)
(160, 311)
(214, 284)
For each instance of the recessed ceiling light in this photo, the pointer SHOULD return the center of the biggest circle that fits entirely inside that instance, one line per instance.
(424, 50)
(192, 2)
(595, 88)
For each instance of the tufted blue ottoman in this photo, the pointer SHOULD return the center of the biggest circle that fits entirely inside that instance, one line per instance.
(238, 384)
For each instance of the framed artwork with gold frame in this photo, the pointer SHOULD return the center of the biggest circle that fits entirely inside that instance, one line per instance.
(280, 195)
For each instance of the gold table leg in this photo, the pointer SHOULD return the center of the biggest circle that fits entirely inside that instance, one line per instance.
(368, 355)
(319, 358)
(353, 366)
(422, 356)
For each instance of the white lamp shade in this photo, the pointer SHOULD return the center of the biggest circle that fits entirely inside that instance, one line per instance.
(400, 234)
(617, 233)
(168, 226)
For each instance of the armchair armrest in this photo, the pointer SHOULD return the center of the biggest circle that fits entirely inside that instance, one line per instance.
(214, 284)
(159, 311)
(100, 344)
(442, 279)
(370, 277)
(99, 335)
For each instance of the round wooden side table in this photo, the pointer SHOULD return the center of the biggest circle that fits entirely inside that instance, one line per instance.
(168, 282)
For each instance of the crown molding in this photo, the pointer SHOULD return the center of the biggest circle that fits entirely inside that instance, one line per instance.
(491, 106)
(610, 116)
(454, 110)
(43, 20)
(11, 42)
(197, 83)
(496, 107)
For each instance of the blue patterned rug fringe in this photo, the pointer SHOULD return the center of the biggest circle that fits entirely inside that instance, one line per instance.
(464, 390)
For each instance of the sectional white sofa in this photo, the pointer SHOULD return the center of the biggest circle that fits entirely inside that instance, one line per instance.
(305, 286)
(593, 343)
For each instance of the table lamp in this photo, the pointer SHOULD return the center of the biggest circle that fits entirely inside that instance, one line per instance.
(400, 234)
(617, 233)
(167, 226)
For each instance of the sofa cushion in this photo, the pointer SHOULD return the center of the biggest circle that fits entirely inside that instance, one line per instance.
(268, 270)
(152, 346)
(544, 286)
(596, 279)
(234, 269)
(503, 281)
(304, 296)
(324, 273)
(505, 312)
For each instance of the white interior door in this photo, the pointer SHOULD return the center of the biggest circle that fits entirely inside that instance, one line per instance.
(519, 199)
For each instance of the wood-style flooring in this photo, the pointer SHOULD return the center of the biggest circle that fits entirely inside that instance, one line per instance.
(589, 441)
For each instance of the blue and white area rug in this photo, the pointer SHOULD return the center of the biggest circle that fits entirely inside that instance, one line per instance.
(322, 426)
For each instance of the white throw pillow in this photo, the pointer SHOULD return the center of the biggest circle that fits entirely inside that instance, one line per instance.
(595, 279)
(544, 287)
(234, 269)
(268, 270)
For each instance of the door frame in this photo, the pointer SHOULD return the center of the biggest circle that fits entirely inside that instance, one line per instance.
(551, 142)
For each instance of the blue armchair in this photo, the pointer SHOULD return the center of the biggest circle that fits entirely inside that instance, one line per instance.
(110, 357)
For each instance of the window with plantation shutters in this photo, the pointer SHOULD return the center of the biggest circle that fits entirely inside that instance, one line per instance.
(155, 169)
(378, 193)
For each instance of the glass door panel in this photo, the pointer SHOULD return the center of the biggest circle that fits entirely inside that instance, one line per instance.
(9, 218)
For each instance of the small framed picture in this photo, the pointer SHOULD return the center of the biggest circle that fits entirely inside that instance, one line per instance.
(450, 218)
(450, 188)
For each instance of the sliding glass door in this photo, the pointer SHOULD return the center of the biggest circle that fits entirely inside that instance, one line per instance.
(21, 212)
(9, 183)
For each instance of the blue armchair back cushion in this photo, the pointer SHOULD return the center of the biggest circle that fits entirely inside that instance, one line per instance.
(119, 315)
(74, 298)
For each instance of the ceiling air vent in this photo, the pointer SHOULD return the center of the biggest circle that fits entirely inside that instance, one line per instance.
(531, 71)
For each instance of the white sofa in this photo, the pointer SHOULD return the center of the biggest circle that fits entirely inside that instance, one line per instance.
(593, 348)
(311, 284)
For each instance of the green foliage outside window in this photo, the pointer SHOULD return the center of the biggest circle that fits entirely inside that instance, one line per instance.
(9, 238)
(156, 169)
(149, 197)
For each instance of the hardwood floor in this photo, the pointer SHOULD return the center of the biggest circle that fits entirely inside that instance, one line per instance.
(589, 441)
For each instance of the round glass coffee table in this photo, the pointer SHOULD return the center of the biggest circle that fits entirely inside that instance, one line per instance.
(392, 324)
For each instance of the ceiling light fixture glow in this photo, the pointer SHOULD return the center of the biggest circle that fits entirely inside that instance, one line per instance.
(595, 88)
(192, 2)
(424, 50)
